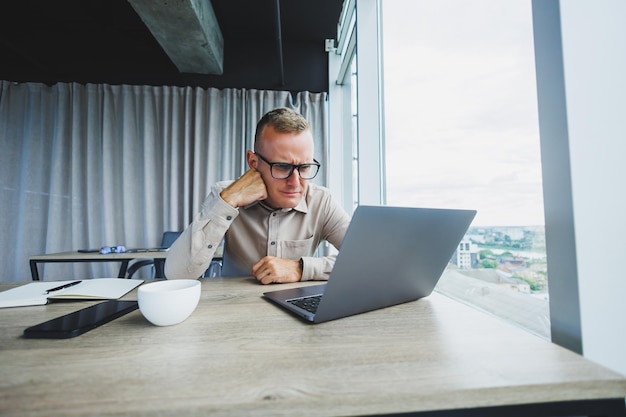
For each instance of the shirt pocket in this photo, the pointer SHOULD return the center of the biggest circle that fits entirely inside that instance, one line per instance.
(296, 249)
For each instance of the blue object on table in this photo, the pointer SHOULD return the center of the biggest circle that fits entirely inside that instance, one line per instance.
(105, 250)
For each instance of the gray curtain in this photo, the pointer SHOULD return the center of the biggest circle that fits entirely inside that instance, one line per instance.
(85, 166)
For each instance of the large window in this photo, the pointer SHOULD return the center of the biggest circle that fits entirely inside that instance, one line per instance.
(356, 148)
(439, 54)
(462, 132)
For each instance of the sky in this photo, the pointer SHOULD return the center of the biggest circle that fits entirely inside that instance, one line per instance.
(461, 126)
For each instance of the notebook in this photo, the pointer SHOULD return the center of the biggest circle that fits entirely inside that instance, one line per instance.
(39, 293)
(389, 256)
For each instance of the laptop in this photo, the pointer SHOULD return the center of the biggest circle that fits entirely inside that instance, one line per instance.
(389, 256)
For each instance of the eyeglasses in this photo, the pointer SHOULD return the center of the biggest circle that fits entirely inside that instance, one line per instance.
(283, 170)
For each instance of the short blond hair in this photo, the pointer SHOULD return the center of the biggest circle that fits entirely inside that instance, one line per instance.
(283, 120)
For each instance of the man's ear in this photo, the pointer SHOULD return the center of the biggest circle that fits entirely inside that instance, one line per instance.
(252, 159)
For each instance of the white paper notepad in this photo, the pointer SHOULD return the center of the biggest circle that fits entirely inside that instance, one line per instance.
(35, 293)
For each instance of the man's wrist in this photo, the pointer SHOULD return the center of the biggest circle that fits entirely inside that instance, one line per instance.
(227, 199)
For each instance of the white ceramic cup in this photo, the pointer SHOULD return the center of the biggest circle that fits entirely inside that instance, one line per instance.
(165, 303)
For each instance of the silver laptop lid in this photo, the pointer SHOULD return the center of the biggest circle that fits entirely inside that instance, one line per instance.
(391, 255)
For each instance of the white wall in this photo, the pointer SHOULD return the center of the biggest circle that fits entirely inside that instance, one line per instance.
(594, 57)
(580, 54)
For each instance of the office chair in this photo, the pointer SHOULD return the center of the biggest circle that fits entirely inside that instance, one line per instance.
(166, 241)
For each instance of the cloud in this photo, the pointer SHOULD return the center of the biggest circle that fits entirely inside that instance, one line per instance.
(460, 108)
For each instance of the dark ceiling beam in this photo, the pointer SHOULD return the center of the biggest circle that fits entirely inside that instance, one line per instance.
(188, 32)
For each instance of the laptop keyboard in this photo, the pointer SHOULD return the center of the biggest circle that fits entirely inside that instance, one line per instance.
(307, 303)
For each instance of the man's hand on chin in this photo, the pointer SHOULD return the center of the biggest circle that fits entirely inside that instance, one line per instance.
(247, 189)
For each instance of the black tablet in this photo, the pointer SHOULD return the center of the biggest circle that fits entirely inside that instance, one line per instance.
(81, 321)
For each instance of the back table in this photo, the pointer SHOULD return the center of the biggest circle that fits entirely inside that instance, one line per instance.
(123, 258)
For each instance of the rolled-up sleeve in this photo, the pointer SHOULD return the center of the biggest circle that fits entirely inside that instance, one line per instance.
(317, 268)
(191, 254)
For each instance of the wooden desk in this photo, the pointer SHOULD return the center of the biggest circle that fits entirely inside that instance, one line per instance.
(239, 355)
(124, 258)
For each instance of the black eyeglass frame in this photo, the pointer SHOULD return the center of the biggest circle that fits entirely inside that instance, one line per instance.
(292, 167)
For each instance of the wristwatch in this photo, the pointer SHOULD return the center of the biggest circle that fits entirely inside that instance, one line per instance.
(301, 264)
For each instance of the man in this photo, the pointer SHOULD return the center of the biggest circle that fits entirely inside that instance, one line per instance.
(271, 218)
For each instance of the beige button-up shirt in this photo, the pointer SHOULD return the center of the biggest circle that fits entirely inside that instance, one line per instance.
(256, 230)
